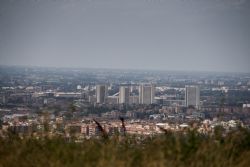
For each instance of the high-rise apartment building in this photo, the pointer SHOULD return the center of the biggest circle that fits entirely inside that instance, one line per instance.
(133, 100)
(146, 94)
(124, 95)
(192, 96)
(100, 93)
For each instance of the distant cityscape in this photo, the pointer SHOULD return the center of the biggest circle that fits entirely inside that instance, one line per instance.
(68, 102)
(124, 83)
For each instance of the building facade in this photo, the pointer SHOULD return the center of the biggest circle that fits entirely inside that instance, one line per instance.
(192, 96)
(146, 94)
(124, 95)
(100, 93)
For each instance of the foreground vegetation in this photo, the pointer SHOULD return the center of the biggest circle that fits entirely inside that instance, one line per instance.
(191, 149)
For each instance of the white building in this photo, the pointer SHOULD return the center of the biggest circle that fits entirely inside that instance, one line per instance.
(192, 96)
(124, 95)
(100, 93)
(246, 105)
(79, 87)
(133, 99)
(146, 94)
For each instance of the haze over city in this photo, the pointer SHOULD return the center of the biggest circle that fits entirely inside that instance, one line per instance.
(125, 83)
(192, 35)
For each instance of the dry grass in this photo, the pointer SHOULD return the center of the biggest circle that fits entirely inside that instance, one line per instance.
(190, 150)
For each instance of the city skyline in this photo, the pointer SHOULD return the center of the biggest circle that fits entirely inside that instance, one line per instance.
(84, 106)
(125, 83)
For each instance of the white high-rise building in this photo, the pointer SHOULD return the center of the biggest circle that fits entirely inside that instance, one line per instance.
(124, 95)
(133, 100)
(146, 94)
(192, 96)
(100, 93)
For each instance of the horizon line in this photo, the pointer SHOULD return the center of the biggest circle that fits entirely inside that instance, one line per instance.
(123, 69)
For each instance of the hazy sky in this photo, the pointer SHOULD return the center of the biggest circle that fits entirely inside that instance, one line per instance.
(194, 35)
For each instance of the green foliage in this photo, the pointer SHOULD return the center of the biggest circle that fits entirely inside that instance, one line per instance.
(172, 149)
